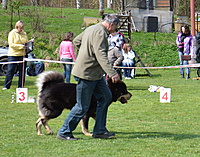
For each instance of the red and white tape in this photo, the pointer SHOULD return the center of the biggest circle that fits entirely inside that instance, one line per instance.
(164, 67)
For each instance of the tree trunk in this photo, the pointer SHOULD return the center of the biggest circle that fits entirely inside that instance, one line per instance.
(4, 4)
(78, 4)
(11, 17)
(35, 2)
(122, 6)
(101, 7)
(110, 4)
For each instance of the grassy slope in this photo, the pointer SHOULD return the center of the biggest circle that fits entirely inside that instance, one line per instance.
(161, 52)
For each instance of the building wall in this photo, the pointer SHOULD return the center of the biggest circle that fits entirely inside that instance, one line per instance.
(162, 3)
(164, 17)
(148, 4)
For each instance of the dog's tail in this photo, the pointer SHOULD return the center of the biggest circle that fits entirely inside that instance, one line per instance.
(48, 76)
(45, 80)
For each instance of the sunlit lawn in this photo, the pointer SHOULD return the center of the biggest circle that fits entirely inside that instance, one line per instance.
(144, 127)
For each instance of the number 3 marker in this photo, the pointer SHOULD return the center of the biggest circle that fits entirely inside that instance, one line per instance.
(22, 95)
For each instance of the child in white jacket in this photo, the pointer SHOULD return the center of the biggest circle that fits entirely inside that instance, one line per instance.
(129, 60)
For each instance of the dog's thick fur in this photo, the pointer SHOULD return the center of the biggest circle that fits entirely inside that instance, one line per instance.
(54, 96)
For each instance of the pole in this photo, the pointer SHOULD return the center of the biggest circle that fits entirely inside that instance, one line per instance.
(61, 9)
(192, 14)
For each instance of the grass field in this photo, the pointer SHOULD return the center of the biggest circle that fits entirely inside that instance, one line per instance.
(144, 127)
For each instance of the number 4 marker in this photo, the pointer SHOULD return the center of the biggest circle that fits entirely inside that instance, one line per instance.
(165, 95)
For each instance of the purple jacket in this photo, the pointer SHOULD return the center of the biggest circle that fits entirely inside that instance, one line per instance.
(187, 43)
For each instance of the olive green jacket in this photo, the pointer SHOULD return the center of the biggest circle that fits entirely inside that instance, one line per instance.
(92, 60)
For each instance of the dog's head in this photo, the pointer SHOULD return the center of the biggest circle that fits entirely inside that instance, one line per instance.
(119, 91)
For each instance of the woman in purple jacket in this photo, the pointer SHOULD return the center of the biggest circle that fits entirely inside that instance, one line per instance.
(184, 43)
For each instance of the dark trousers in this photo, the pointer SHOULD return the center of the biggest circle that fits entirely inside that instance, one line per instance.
(84, 91)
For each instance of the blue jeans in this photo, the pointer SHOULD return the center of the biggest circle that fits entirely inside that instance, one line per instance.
(183, 63)
(12, 69)
(67, 69)
(84, 91)
(127, 72)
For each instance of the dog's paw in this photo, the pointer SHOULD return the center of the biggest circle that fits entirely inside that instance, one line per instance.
(50, 132)
(40, 134)
(87, 134)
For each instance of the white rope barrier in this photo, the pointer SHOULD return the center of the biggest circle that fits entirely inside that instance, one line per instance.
(51, 61)
(120, 67)
(164, 67)
(11, 62)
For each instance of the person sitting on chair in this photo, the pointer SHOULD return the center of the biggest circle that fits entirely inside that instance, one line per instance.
(129, 60)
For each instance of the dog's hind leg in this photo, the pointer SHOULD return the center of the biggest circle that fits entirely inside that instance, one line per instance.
(84, 125)
(84, 129)
(38, 126)
(46, 126)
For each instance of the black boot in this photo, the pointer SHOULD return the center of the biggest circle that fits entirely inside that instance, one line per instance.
(182, 76)
(188, 76)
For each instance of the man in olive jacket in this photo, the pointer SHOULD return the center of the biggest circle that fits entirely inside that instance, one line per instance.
(90, 65)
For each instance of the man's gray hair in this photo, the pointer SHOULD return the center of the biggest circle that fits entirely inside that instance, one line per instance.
(111, 18)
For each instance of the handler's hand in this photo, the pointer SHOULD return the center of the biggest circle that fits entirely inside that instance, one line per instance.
(192, 56)
(115, 78)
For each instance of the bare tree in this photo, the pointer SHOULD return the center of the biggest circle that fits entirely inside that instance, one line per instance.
(78, 4)
(4, 4)
(14, 7)
(110, 4)
(182, 7)
(197, 6)
(35, 2)
(101, 7)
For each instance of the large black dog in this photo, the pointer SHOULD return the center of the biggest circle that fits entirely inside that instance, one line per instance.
(54, 96)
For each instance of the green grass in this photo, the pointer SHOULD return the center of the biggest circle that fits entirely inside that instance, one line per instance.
(144, 127)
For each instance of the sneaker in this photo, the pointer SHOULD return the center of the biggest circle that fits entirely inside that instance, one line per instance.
(67, 138)
(127, 78)
(104, 135)
(4, 88)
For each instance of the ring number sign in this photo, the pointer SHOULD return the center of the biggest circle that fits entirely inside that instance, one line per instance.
(21, 95)
(165, 95)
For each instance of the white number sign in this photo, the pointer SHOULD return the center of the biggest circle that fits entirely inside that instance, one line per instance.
(21, 95)
(165, 95)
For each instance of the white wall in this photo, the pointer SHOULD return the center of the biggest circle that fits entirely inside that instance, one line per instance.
(164, 17)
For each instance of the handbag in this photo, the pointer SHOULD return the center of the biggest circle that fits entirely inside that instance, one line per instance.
(185, 57)
(29, 47)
